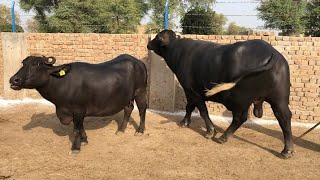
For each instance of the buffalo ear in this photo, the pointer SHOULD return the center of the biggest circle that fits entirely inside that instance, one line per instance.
(60, 71)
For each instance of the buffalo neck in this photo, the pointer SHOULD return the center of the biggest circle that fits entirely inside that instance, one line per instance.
(47, 90)
(169, 57)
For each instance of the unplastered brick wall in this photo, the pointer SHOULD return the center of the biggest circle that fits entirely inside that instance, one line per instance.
(93, 48)
(302, 53)
(303, 56)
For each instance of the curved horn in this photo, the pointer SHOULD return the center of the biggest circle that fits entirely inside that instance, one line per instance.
(50, 60)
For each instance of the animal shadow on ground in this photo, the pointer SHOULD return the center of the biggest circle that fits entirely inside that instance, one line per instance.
(51, 121)
(197, 125)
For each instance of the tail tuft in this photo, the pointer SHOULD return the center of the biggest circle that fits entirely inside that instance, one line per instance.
(219, 88)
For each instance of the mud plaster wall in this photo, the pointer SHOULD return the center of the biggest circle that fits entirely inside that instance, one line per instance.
(1, 67)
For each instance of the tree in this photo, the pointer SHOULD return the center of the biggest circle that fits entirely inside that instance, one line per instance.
(41, 8)
(234, 29)
(313, 18)
(176, 8)
(99, 16)
(286, 15)
(5, 20)
(199, 20)
(33, 25)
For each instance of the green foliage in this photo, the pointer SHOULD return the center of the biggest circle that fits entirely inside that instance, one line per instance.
(234, 29)
(41, 8)
(313, 18)
(5, 20)
(199, 20)
(33, 25)
(176, 8)
(286, 15)
(8, 28)
(80, 16)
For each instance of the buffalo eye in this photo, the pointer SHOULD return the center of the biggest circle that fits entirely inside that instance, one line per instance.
(159, 38)
(39, 63)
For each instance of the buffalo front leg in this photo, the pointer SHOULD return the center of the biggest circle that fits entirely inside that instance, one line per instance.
(77, 132)
(211, 132)
(127, 113)
(187, 118)
(238, 119)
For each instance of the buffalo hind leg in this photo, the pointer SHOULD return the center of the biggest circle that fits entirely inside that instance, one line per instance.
(77, 131)
(141, 100)
(187, 118)
(238, 119)
(211, 132)
(283, 115)
(127, 113)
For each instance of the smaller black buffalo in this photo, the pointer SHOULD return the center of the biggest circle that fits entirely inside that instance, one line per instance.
(81, 89)
(235, 75)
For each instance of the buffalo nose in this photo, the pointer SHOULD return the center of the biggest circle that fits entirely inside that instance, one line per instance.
(16, 80)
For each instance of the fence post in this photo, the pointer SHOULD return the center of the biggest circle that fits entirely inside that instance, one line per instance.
(12, 18)
(166, 14)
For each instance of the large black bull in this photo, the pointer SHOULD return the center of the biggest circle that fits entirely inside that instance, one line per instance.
(235, 75)
(81, 89)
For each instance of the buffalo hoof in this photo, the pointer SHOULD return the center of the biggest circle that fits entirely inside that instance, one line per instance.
(119, 132)
(286, 154)
(210, 134)
(184, 123)
(74, 152)
(222, 140)
(84, 141)
(138, 133)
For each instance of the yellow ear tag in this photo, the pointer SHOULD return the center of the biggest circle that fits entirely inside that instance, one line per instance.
(62, 72)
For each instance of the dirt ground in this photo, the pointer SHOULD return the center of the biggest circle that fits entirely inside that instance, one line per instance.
(34, 145)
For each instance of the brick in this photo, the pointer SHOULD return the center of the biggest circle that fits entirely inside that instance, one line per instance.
(295, 85)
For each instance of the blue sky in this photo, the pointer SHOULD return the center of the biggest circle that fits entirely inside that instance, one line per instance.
(230, 8)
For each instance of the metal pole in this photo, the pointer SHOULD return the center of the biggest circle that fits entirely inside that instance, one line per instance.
(12, 18)
(307, 132)
(166, 15)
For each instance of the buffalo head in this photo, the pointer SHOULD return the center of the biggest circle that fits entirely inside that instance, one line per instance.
(36, 71)
(161, 41)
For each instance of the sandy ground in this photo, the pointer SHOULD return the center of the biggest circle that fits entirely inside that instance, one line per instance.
(34, 145)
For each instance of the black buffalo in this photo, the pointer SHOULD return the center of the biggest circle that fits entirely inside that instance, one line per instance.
(81, 89)
(235, 75)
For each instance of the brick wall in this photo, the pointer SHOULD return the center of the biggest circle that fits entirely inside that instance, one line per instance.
(92, 48)
(302, 53)
(303, 56)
